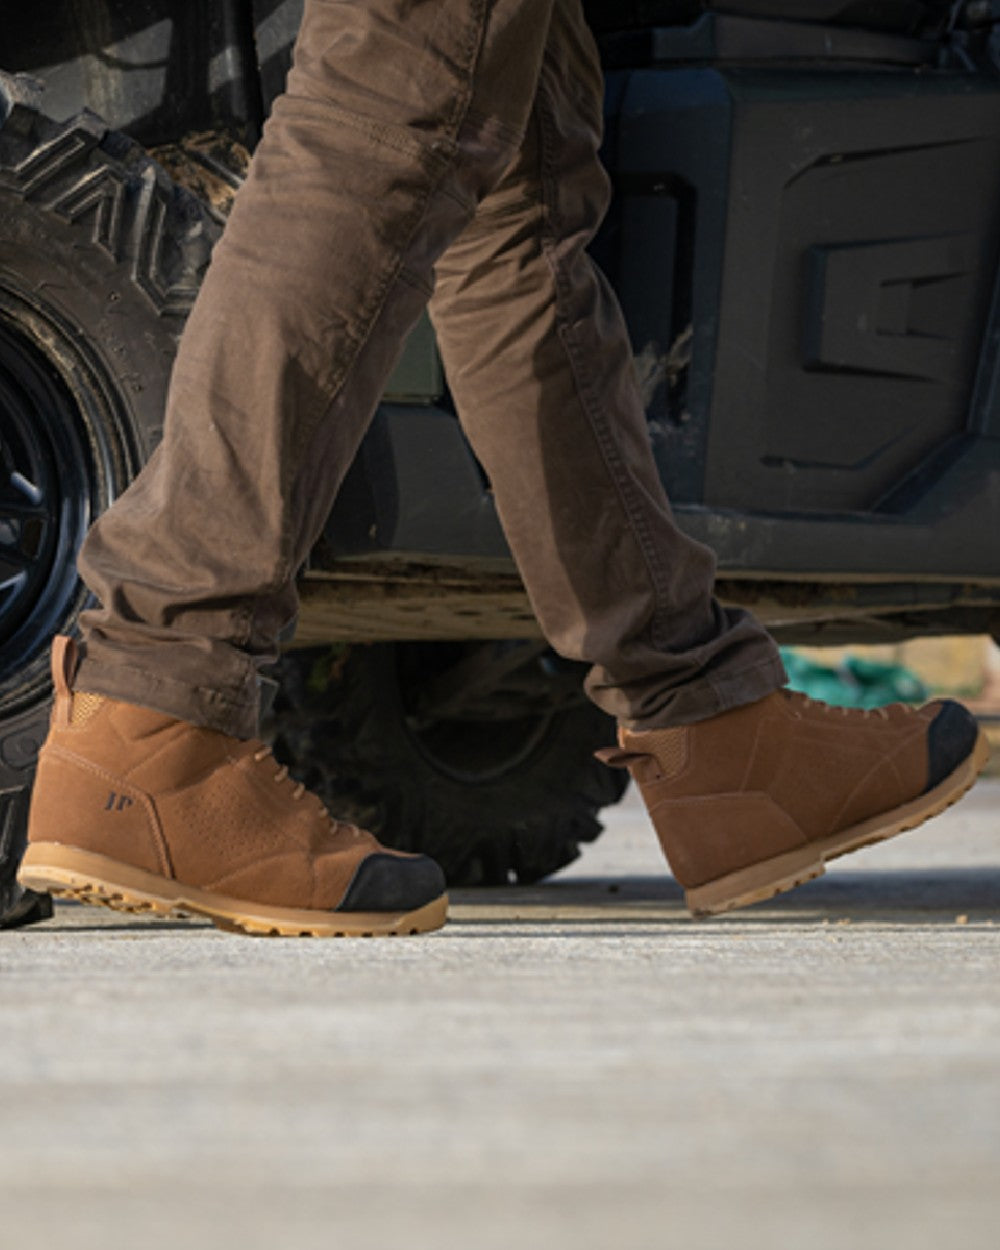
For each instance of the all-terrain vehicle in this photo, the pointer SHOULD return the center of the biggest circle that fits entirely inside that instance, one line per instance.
(805, 242)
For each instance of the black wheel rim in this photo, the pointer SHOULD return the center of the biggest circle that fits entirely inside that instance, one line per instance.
(46, 499)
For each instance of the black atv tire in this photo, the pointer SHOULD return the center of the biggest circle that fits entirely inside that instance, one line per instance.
(100, 258)
(494, 801)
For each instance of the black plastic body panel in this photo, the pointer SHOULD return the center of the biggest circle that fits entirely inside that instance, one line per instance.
(844, 241)
(903, 16)
(719, 37)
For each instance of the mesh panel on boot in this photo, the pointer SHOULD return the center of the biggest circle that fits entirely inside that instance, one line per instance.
(669, 746)
(84, 707)
(214, 814)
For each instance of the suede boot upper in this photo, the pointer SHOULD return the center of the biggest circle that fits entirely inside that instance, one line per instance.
(196, 806)
(778, 775)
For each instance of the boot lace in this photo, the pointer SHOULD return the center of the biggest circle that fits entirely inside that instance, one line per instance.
(281, 773)
(862, 713)
(300, 791)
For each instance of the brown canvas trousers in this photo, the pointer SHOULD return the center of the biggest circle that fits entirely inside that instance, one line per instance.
(424, 148)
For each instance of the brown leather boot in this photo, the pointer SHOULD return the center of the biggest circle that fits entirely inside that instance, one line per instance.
(143, 812)
(755, 801)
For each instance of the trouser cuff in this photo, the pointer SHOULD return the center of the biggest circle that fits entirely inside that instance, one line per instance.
(234, 713)
(714, 694)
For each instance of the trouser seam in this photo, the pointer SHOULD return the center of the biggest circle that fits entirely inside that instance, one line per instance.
(370, 316)
(582, 377)
(385, 135)
(356, 343)
(473, 50)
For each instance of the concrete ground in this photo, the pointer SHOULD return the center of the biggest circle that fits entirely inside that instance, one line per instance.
(573, 1065)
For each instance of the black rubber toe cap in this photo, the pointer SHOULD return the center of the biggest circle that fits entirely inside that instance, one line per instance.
(950, 740)
(393, 883)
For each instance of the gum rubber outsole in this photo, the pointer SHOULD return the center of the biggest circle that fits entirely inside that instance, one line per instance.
(776, 876)
(84, 877)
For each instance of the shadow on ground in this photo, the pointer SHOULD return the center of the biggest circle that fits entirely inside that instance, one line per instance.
(912, 896)
(902, 896)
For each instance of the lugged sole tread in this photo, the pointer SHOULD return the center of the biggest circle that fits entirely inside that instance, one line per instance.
(83, 877)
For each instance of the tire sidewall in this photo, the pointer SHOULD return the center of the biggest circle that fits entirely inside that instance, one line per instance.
(83, 312)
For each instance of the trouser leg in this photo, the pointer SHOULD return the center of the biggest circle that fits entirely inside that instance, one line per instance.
(399, 116)
(539, 362)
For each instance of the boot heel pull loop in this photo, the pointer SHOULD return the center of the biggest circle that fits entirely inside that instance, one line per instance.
(614, 757)
(64, 661)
